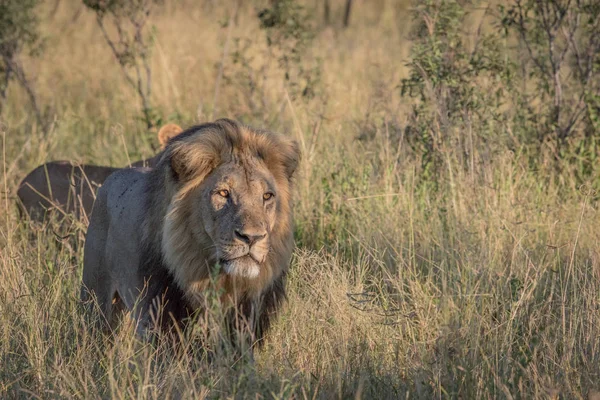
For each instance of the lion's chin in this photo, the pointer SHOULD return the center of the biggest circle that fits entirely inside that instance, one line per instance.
(244, 267)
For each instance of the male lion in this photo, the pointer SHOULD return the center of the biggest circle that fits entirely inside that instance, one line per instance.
(69, 187)
(219, 197)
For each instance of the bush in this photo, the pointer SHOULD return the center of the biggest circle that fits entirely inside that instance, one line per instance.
(289, 34)
(131, 46)
(560, 53)
(454, 86)
(550, 101)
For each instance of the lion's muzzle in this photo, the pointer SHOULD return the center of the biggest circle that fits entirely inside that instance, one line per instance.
(244, 254)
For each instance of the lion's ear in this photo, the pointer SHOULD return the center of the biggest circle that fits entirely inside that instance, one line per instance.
(189, 161)
(167, 132)
(291, 157)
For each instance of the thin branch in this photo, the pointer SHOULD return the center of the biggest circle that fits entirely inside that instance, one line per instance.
(326, 12)
(347, 11)
(579, 110)
(122, 49)
(523, 32)
(574, 26)
(115, 51)
(19, 73)
(4, 88)
(569, 36)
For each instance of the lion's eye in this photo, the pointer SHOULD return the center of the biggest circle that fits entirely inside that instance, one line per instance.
(224, 193)
(268, 196)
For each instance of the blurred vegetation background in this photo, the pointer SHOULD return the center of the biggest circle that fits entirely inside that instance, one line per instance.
(447, 203)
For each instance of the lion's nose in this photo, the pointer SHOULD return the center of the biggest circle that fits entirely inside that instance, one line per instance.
(249, 237)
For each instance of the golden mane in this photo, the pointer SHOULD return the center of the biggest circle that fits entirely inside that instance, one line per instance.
(187, 160)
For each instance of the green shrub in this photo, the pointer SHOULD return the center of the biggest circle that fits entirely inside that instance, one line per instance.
(454, 86)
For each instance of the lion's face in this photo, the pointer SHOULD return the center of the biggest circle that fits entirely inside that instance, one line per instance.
(238, 212)
(229, 203)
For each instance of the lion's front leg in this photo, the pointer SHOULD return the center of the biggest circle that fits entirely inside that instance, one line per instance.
(241, 324)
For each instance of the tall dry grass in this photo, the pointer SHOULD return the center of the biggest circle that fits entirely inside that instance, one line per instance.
(486, 288)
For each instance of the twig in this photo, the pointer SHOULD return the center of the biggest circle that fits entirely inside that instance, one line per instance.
(4, 87)
(16, 68)
(142, 82)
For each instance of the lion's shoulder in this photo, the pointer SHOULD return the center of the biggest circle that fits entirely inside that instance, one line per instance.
(126, 183)
(123, 194)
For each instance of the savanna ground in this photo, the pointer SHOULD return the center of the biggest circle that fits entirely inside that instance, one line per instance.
(441, 255)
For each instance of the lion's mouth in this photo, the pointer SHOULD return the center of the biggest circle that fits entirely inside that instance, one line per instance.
(246, 257)
(245, 266)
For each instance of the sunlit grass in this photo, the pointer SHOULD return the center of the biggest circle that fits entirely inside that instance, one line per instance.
(485, 288)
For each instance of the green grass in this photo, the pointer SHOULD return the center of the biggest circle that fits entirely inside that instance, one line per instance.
(487, 287)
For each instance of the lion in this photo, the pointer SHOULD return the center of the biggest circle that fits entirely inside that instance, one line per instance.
(167, 132)
(216, 210)
(68, 187)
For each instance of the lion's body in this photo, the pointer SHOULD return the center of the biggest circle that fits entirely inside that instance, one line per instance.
(220, 194)
(61, 185)
(65, 187)
(112, 242)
